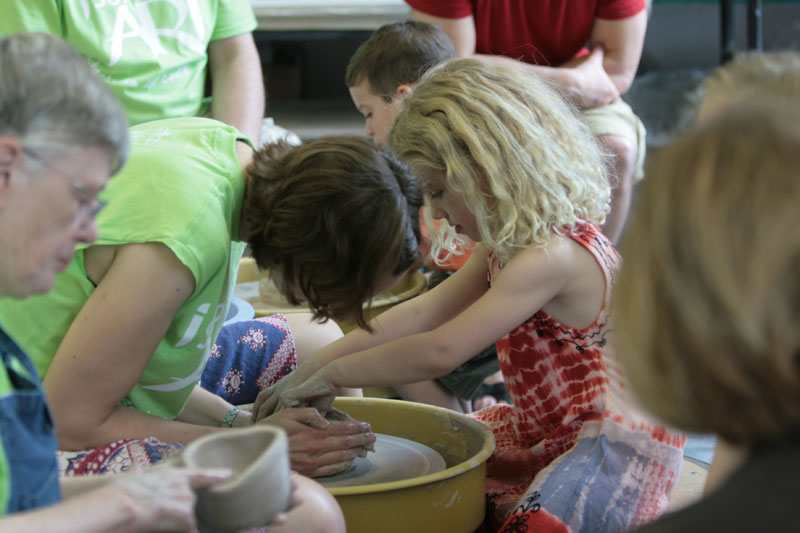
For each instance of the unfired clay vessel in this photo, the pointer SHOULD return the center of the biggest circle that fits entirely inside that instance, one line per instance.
(260, 488)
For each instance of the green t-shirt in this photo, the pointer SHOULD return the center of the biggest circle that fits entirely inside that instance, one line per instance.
(152, 53)
(182, 187)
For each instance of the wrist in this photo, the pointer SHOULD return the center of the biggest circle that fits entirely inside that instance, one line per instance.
(230, 417)
(236, 417)
(243, 419)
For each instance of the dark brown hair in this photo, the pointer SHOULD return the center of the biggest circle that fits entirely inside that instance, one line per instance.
(396, 53)
(332, 216)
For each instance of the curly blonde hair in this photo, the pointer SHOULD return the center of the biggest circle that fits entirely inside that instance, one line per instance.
(709, 297)
(523, 161)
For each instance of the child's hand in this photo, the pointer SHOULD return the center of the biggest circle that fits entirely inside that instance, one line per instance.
(269, 399)
(317, 391)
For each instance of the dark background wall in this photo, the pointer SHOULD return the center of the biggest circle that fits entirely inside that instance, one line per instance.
(309, 65)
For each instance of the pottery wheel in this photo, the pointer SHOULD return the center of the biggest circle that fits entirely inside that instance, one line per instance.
(394, 458)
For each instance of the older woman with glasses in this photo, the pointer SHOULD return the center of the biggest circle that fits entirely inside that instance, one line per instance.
(62, 134)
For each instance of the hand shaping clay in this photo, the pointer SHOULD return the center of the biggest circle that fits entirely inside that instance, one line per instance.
(394, 458)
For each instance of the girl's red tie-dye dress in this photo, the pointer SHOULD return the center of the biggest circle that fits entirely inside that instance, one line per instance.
(573, 453)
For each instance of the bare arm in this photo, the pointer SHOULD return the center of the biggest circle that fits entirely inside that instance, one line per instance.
(421, 313)
(110, 343)
(237, 84)
(205, 408)
(515, 295)
(513, 298)
(108, 346)
(622, 41)
(160, 499)
(461, 31)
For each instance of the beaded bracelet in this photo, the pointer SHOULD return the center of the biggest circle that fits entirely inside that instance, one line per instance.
(230, 416)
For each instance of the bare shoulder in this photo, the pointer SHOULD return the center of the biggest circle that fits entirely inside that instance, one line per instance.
(581, 280)
(536, 276)
(151, 263)
(554, 263)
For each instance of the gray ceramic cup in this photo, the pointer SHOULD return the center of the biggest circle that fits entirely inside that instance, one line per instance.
(258, 457)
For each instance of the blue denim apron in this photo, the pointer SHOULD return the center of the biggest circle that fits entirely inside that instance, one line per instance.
(26, 434)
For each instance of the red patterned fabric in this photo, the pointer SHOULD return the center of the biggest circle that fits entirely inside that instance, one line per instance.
(573, 453)
(117, 457)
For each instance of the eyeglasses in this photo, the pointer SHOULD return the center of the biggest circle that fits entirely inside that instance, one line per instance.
(88, 202)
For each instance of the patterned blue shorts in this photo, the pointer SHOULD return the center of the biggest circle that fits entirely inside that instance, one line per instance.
(248, 357)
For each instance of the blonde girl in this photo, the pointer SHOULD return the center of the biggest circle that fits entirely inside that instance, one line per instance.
(505, 162)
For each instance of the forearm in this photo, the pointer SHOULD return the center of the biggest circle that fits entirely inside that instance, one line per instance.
(399, 321)
(98, 510)
(72, 487)
(126, 423)
(238, 96)
(207, 409)
(407, 360)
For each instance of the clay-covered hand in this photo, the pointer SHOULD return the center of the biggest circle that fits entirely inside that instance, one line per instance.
(269, 399)
(317, 391)
(319, 447)
(336, 416)
(588, 85)
(162, 498)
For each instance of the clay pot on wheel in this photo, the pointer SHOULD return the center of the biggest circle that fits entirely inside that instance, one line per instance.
(258, 457)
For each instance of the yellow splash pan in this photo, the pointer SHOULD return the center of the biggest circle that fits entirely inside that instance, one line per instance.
(452, 500)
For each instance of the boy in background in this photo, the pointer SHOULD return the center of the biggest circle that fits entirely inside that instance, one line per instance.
(381, 74)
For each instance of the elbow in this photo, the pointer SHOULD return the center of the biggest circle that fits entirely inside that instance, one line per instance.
(623, 84)
(442, 360)
(71, 439)
(622, 78)
(77, 432)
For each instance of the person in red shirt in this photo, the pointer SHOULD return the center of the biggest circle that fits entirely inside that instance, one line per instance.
(550, 37)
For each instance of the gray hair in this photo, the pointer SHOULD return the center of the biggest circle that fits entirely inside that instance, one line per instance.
(52, 100)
